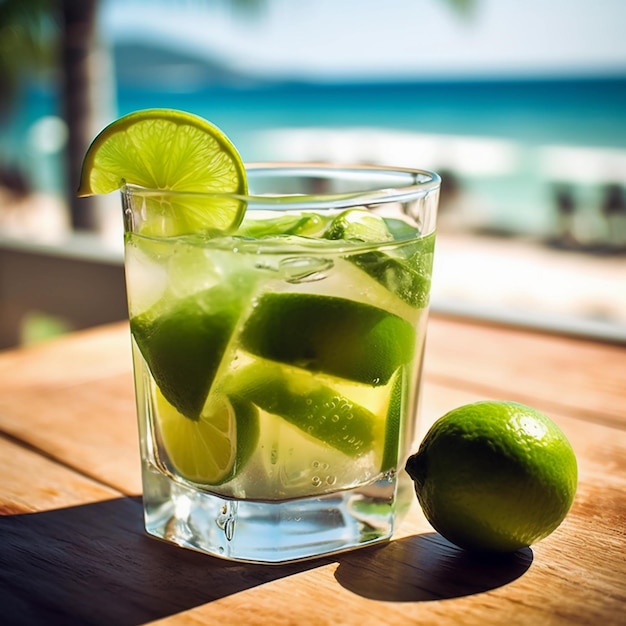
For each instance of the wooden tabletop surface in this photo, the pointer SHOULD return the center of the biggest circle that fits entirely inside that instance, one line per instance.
(73, 549)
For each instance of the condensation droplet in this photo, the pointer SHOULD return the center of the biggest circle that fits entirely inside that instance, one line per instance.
(227, 520)
(229, 530)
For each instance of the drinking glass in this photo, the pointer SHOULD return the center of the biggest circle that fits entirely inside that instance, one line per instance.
(277, 368)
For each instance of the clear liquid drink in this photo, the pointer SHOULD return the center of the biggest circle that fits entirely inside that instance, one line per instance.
(277, 369)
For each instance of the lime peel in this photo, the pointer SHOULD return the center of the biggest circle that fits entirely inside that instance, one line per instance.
(330, 335)
(299, 398)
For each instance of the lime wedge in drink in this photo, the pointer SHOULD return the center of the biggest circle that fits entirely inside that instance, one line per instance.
(173, 151)
(340, 337)
(316, 409)
(213, 448)
(360, 225)
(184, 345)
(393, 422)
(302, 224)
(407, 277)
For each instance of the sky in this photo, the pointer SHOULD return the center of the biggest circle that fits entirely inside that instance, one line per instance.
(339, 39)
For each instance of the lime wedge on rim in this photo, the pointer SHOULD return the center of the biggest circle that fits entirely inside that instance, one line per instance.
(170, 151)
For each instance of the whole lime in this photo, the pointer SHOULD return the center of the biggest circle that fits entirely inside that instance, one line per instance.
(494, 476)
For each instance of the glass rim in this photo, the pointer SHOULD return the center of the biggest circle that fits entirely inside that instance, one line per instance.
(418, 183)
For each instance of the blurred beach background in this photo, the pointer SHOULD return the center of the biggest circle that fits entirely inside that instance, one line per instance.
(521, 107)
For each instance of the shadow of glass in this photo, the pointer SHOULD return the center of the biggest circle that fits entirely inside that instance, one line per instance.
(94, 564)
(426, 567)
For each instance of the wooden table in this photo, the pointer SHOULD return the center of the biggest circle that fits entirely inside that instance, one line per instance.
(73, 550)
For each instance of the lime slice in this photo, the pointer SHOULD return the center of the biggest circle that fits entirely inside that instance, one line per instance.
(213, 448)
(316, 409)
(163, 149)
(184, 346)
(344, 338)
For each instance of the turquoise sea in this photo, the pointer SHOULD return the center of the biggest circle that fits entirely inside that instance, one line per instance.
(510, 141)
(579, 112)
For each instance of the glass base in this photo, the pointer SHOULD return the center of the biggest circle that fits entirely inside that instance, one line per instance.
(268, 532)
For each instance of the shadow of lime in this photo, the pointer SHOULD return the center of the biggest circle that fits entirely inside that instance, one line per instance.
(94, 564)
(425, 568)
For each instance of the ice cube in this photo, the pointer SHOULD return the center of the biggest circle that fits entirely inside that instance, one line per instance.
(146, 279)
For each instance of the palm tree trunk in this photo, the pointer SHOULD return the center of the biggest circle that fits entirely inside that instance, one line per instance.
(79, 23)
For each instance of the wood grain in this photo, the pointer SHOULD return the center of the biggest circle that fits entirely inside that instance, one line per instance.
(587, 378)
(76, 404)
(73, 550)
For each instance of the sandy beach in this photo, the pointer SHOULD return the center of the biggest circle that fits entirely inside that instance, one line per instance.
(525, 281)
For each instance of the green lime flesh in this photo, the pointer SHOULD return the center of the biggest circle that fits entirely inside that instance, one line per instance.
(336, 336)
(184, 346)
(214, 448)
(407, 277)
(315, 408)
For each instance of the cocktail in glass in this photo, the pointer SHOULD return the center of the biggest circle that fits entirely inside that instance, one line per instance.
(277, 368)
